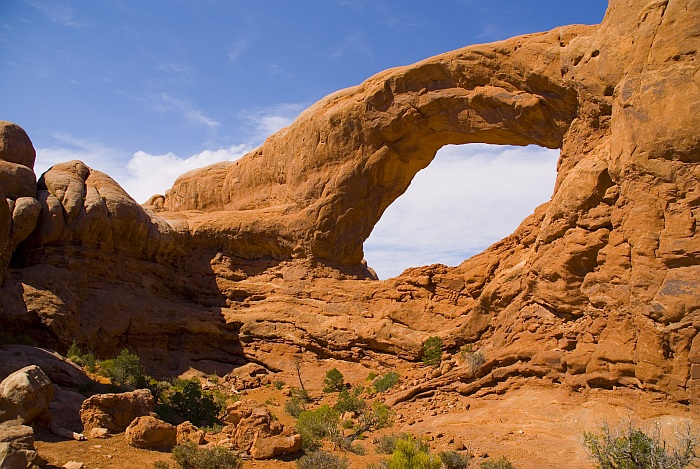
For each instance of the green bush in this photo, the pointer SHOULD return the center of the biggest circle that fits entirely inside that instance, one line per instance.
(315, 425)
(190, 402)
(432, 351)
(350, 401)
(126, 371)
(190, 456)
(81, 358)
(7, 338)
(297, 402)
(501, 463)
(161, 465)
(279, 384)
(386, 382)
(627, 446)
(386, 444)
(321, 460)
(454, 460)
(377, 416)
(334, 381)
(412, 454)
(74, 350)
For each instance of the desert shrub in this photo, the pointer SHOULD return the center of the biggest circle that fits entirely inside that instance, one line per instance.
(454, 460)
(213, 428)
(500, 463)
(357, 449)
(347, 424)
(74, 350)
(383, 464)
(347, 443)
(432, 351)
(161, 465)
(126, 371)
(315, 425)
(386, 444)
(297, 402)
(386, 382)
(334, 381)
(80, 357)
(321, 460)
(278, 384)
(371, 376)
(377, 416)
(7, 338)
(412, 454)
(473, 358)
(190, 456)
(190, 402)
(159, 389)
(627, 446)
(350, 401)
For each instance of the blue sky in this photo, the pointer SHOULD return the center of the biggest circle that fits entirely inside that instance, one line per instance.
(145, 90)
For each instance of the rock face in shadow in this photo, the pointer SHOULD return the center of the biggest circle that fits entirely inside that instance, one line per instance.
(261, 258)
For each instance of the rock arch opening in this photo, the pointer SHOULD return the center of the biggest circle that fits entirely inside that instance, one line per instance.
(469, 197)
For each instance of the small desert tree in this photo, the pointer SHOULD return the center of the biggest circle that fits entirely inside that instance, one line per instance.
(432, 351)
(334, 381)
(628, 446)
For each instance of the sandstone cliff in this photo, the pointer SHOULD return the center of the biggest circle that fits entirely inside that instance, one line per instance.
(261, 258)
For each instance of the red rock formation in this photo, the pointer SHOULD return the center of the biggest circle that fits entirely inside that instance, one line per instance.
(599, 287)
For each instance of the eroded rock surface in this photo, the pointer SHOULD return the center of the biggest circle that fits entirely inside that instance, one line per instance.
(17, 446)
(148, 432)
(254, 430)
(115, 411)
(26, 395)
(262, 258)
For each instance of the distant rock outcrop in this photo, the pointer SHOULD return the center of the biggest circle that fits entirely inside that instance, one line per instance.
(599, 287)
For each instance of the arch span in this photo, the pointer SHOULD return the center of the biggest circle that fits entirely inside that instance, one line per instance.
(324, 182)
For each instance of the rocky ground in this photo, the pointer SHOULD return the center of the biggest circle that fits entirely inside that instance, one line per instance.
(538, 425)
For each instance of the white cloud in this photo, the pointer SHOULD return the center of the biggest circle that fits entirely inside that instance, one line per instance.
(469, 197)
(167, 103)
(59, 13)
(237, 48)
(269, 120)
(153, 174)
(143, 175)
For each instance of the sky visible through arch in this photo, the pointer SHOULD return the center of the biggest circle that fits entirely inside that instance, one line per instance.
(145, 91)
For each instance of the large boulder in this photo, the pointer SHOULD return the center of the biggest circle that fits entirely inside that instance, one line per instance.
(26, 395)
(15, 145)
(115, 411)
(148, 432)
(25, 213)
(258, 433)
(59, 370)
(17, 446)
(65, 409)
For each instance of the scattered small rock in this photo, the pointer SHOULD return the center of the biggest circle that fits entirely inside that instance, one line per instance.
(99, 433)
(73, 465)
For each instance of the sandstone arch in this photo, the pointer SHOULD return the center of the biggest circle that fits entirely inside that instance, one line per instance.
(333, 172)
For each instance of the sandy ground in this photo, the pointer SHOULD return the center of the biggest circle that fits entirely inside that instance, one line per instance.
(535, 426)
